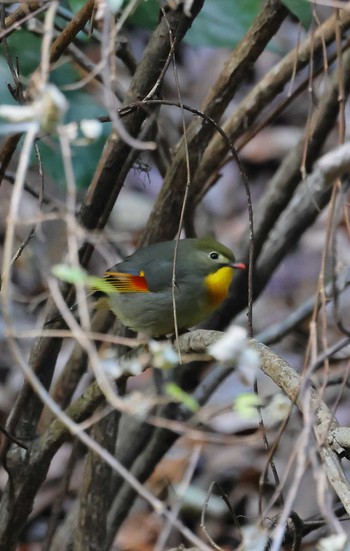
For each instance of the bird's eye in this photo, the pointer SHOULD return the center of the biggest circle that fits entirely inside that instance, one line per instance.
(214, 255)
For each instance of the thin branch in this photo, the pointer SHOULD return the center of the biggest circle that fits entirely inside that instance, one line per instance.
(262, 95)
(279, 330)
(162, 223)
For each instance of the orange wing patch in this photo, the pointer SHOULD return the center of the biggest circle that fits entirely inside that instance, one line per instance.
(127, 283)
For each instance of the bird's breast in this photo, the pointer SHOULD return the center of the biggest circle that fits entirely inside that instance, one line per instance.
(218, 284)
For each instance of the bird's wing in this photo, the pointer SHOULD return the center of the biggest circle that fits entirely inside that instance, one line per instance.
(125, 283)
(152, 267)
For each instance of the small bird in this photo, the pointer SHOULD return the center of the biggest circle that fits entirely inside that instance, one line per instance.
(140, 288)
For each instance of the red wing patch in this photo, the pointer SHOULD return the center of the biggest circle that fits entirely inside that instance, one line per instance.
(127, 283)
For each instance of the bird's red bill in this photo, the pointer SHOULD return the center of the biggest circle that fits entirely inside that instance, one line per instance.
(127, 283)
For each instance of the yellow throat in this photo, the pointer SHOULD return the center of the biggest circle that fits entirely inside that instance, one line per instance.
(218, 285)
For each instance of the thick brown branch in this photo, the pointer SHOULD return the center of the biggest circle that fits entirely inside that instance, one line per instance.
(21, 12)
(279, 193)
(69, 33)
(262, 95)
(163, 222)
(96, 489)
(115, 162)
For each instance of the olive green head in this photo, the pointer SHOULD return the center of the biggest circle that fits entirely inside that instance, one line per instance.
(203, 256)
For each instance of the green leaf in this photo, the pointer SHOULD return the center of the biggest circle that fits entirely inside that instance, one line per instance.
(76, 5)
(246, 403)
(221, 23)
(174, 391)
(26, 47)
(84, 157)
(76, 275)
(69, 274)
(146, 15)
(301, 9)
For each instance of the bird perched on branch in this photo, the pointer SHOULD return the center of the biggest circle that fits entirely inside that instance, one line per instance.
(144, 290)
